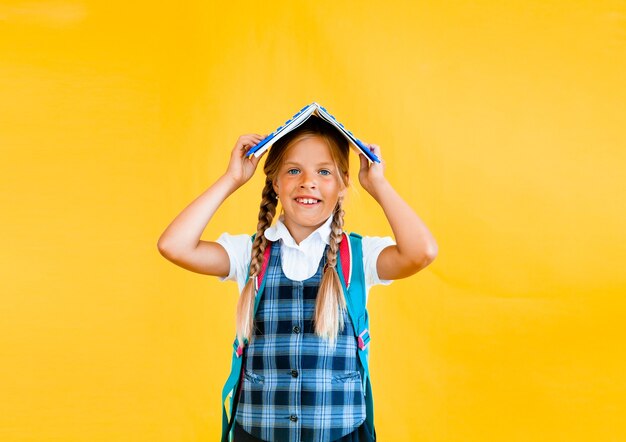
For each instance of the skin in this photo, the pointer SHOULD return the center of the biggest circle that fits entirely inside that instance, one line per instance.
(415, 246)
(308, 171)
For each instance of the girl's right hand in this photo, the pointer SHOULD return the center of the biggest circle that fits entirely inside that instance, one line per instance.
(240, 168)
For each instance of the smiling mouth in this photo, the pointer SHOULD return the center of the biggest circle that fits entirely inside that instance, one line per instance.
(307, 201)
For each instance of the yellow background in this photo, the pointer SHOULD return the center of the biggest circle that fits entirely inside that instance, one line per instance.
(502, 123)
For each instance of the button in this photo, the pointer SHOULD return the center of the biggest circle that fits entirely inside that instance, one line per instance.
(296, 329)
(294, 373)
(293, 418)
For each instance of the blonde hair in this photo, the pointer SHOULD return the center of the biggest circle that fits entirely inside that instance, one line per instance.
(331, 302)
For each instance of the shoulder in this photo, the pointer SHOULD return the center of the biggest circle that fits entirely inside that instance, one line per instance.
(372, 246)
(231, 241)
(375, 244)
(237, 246)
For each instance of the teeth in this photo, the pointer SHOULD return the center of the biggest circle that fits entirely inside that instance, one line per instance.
(306, 200)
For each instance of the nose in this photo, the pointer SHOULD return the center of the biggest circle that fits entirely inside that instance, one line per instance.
(307, 180)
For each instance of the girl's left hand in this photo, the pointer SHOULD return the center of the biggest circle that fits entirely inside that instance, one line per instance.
(371, 174)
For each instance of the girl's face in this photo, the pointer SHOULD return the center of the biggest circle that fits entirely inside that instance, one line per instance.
(309, 185)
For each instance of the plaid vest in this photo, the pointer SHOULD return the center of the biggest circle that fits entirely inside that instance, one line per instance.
(295, 387)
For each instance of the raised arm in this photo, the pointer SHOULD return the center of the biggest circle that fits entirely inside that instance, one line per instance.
(415, 246)
(180, 243)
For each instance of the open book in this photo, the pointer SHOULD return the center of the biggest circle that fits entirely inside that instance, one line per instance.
(301, 117)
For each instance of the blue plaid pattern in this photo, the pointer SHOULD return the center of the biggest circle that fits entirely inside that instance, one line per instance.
(295, 387)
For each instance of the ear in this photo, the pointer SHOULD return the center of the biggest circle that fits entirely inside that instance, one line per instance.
(275, 186)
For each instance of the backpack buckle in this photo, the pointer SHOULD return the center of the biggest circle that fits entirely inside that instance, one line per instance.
(363, 339)
(238, 348)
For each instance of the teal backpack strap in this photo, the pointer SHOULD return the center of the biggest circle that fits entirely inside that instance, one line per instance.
(354, 288)
(231, 387)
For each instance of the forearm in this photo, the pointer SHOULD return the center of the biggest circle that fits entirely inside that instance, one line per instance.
(414, 241)
(185, 230)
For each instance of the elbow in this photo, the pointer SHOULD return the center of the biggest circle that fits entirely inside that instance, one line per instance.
(164, 249)
(161, 248)
(428, 261)
(432, 252)
(425, 259)
(404, 265)
(424, 262)
(431, 255)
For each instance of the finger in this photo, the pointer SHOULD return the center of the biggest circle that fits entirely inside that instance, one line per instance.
(255, 160)
(254, 140)
(364, 162)
(243, 149)
(250, 137)
(246, 142)
(375, 149)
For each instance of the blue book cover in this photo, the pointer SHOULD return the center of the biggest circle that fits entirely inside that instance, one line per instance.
(299, 118)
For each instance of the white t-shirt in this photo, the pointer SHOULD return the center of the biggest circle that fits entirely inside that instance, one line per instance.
(299, 261)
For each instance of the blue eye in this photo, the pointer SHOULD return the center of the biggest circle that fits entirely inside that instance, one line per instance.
(292, 171)
(325, 172)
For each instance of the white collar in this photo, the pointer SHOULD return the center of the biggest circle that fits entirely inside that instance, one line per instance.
(280, 231)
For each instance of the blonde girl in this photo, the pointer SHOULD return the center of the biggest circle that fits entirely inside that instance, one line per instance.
(300, 364)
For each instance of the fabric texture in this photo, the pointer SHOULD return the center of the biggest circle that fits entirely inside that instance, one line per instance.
(300, 261)
(295, 387)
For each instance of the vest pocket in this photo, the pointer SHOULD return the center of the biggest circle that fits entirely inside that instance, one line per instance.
(253, 377)
(353, 376)
(348, 400)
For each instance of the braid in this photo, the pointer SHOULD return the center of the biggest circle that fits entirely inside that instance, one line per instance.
(336, 232)
(331, 301)
(267, 211)
(245, 305)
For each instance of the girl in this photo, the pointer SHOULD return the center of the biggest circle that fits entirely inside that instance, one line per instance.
(301, 350)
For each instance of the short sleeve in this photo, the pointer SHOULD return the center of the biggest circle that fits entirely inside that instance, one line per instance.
(372, 246)
(238, 248)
